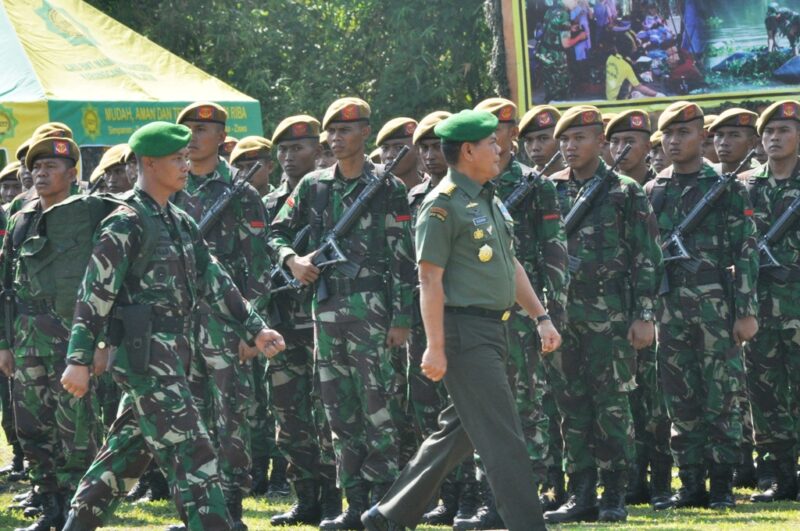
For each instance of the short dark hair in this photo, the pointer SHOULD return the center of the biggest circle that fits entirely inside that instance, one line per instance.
(451, 151)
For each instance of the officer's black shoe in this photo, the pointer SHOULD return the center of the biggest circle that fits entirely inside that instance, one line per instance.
(73, 524)
(306, 509)
(783, 488)
(52, 515)
(486, 517)
(467, 499)
(638, 491)
(444, 513)
(660, 481)
(350, 518)
(553, 493)
(26, 499)
(233, 502)
(373, 520)
(581, 506)
(612, 503)
(766, 472)
(258, 471)
(278, 485)
(744, 476)
(721, 493)
(692, 492)
(175, 527)
(32, 511)
(330, 499)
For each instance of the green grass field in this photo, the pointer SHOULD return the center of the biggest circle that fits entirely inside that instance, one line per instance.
(156, 515)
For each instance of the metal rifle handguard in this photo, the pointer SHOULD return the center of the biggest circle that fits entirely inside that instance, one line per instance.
(524, 188)
(215, 212)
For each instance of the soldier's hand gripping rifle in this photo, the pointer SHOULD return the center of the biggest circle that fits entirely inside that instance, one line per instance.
(585, 203)
(281, 279)
(526, 186)
(329, 252)
(213, 214)
(775, 234)
(673, 247)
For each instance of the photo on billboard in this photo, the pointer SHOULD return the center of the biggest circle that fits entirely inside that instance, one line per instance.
(618, 50)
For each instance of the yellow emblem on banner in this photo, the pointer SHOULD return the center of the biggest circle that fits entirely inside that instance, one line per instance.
(485, 253)
(478, 234)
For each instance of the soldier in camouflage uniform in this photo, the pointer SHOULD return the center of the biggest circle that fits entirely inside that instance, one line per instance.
(303, 432)
(57, 431)
(222, 386)
(705, 315)
(773, 357)
(162, 421)
(368, 310)
(650, 420)
(615, 263)
(551, 56)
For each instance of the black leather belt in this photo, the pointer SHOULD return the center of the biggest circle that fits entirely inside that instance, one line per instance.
(346, 286)
(496, 315)
(171, 325)
(701, 278)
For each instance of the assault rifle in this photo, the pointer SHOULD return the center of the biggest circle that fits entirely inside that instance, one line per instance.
(526, 186)
(775, 234)
(281, 278)
(585, 203)
(673, 247)
(8, 295)
(213, 214)
(329, 252)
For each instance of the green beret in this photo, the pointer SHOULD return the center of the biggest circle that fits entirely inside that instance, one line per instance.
(504, 109)
(467, 126)
(633, 120)
(203, 111)
(427, 124)
(11, 171)
(578, 116)
(678, 113)
(159, 139)
(251, 148)
(296, 127)
(347, 110)
(396, 128)
(734, 118)
(52, 148)
(782, 110)
(539, 118)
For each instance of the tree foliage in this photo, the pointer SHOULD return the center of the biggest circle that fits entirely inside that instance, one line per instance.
(405, 57)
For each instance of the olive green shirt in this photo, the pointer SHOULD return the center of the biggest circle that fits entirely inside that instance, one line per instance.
(465, 229)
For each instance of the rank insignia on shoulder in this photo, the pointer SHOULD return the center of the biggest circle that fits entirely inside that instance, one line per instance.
(439, 213)
(485, 253)
(449, 189)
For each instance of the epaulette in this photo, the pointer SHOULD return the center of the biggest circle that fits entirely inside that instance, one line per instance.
(448, 190)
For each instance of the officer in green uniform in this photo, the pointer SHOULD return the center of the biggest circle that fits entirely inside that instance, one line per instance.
(470, 279)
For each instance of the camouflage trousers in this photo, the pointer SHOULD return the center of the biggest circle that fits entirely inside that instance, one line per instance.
(426, 398)
(700, 369)
(223, 390)
(57, 431)
(403, 415)
(650, 421)
(590, 377)
(773, 374)
(108, 397)
(303, 435)
(259, 415)
(357, 386)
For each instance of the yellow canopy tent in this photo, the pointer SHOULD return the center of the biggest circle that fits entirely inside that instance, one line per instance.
(65, 61)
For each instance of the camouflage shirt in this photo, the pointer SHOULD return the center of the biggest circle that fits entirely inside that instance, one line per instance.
(181, 273)
(379, 244)
(539, 237)
(617, 247)
(238, 240)
(778, 302)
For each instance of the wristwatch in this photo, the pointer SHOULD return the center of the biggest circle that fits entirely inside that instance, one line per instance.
(543, 317)
(647, 316)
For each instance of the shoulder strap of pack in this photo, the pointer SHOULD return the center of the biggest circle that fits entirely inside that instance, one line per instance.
(658, 197)
(150, 232)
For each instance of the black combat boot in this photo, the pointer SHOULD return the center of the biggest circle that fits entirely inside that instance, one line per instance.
(306, 509)
(73, 524)
(766, 473)
(721, 494)
(660, 481)
(467, 499)
(159, 488)
(581, 506)
(17, 463)
(486, 517)
(25, 500)
(444, 513)
(357, 504)
(745, 474)
(553, 493)
(377, 492)
(52, 515)
(278, 486)
(785, 485)
(330, 499)
(259, 473)
(692, 492)
(638, 491)
(233, 502)
(612, 503)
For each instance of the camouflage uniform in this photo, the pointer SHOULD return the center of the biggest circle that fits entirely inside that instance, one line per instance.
(595, 369)
(355, 370)
(551, 56)
(773, 356)
(542, 250)
(57, 431)
(303, 434)
(162, 421)
(222, 386)
(699, 364)
(6, 403)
